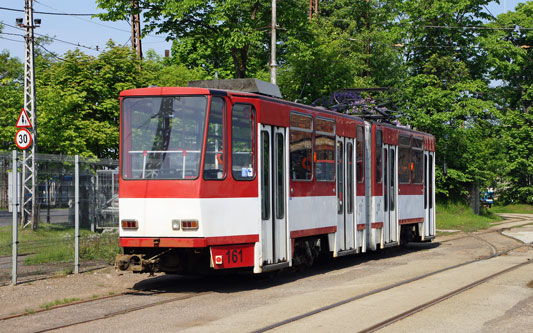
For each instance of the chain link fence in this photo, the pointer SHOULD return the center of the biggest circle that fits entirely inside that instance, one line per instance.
(50, 249)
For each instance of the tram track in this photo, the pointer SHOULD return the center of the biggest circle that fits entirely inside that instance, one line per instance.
(180, 297)
(102, 298)
(406, 282)
(74, 303)
(440, 299)
(126, 311)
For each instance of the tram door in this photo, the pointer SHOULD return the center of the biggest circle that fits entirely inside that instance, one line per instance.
(429, 227)
(273, 194)
(345, 193)
(390, 196)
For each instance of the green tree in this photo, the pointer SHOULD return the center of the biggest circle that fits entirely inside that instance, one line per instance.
(159, 72)
(11, 97)
(350, 44)
(509, 50)
(446, 102)
(316, 65)
(229, 36)
(443, 28)
(78, 107)
(446, 92)
(510, 57)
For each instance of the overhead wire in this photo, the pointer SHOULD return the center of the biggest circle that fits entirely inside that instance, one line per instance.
(474, 27)
(51, 53)
(56, 39)
(45, 13)
(488, 10)
(393, 45)
(11, 34)
(12, 40)
(515, 27)
(97, 23)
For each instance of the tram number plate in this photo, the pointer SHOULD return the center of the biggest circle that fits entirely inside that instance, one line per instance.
(231, 256)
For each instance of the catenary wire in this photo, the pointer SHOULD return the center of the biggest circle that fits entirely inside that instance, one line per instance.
(45, 13)
(12, 40)
(97, 23)
(55, 38)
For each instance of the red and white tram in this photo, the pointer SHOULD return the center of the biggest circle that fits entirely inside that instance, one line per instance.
(221, 178)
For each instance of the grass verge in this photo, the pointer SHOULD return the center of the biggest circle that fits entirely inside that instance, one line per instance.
(517, 209)
(54, 243)
(458, 216)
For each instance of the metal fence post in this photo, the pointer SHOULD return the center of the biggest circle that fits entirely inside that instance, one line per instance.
(14, 203)
(76, 213)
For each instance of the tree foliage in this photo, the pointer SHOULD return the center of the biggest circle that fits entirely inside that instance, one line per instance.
(510, 60)
(228, 36)
(11, 97)
(77, 97)
(452, 70)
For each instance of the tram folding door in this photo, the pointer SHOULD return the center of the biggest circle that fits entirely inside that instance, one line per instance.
(390, 194)
(345, 154)
(274, 184)
(429, 194)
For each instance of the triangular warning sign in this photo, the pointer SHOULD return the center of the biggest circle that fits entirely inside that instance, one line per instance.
(24, 120)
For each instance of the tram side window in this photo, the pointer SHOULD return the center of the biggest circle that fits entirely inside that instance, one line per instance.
(379, 166)
(360, 154)
(417, 151)
(301, 146)
(214, 162)
(404, 159)
(324, 149)
(242, 141)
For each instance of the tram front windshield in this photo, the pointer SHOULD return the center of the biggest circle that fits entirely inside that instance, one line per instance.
(162, 137)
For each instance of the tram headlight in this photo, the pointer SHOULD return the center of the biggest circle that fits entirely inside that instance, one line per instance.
(176, 224)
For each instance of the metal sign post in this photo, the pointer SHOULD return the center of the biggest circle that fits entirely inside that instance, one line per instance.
(77, 214)
(14, 203)
(29, 169)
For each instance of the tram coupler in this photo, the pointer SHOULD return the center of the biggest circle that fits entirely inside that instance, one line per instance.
(136, 263)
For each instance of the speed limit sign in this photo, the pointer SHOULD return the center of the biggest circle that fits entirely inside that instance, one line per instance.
(23, 138)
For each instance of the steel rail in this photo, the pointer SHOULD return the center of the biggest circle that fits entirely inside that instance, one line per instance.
(437, 300)
(74, 303)
(382, 289)
(31, 312)
(281, 323)
(124, 311)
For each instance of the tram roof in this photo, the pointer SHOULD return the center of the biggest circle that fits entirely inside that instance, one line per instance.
(162, 91)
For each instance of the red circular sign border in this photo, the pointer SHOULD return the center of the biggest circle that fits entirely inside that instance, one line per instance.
(16, 142)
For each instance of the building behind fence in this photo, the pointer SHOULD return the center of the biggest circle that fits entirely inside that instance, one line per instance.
(47, 250)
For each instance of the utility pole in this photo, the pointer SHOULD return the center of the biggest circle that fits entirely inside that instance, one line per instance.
(136, 29)
(313, 8)
(273, 65)
(30, 208)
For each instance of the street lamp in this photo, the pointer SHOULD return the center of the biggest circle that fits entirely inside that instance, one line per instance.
(20, 22)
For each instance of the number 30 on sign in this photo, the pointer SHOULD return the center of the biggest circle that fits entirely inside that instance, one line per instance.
(23, 138)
